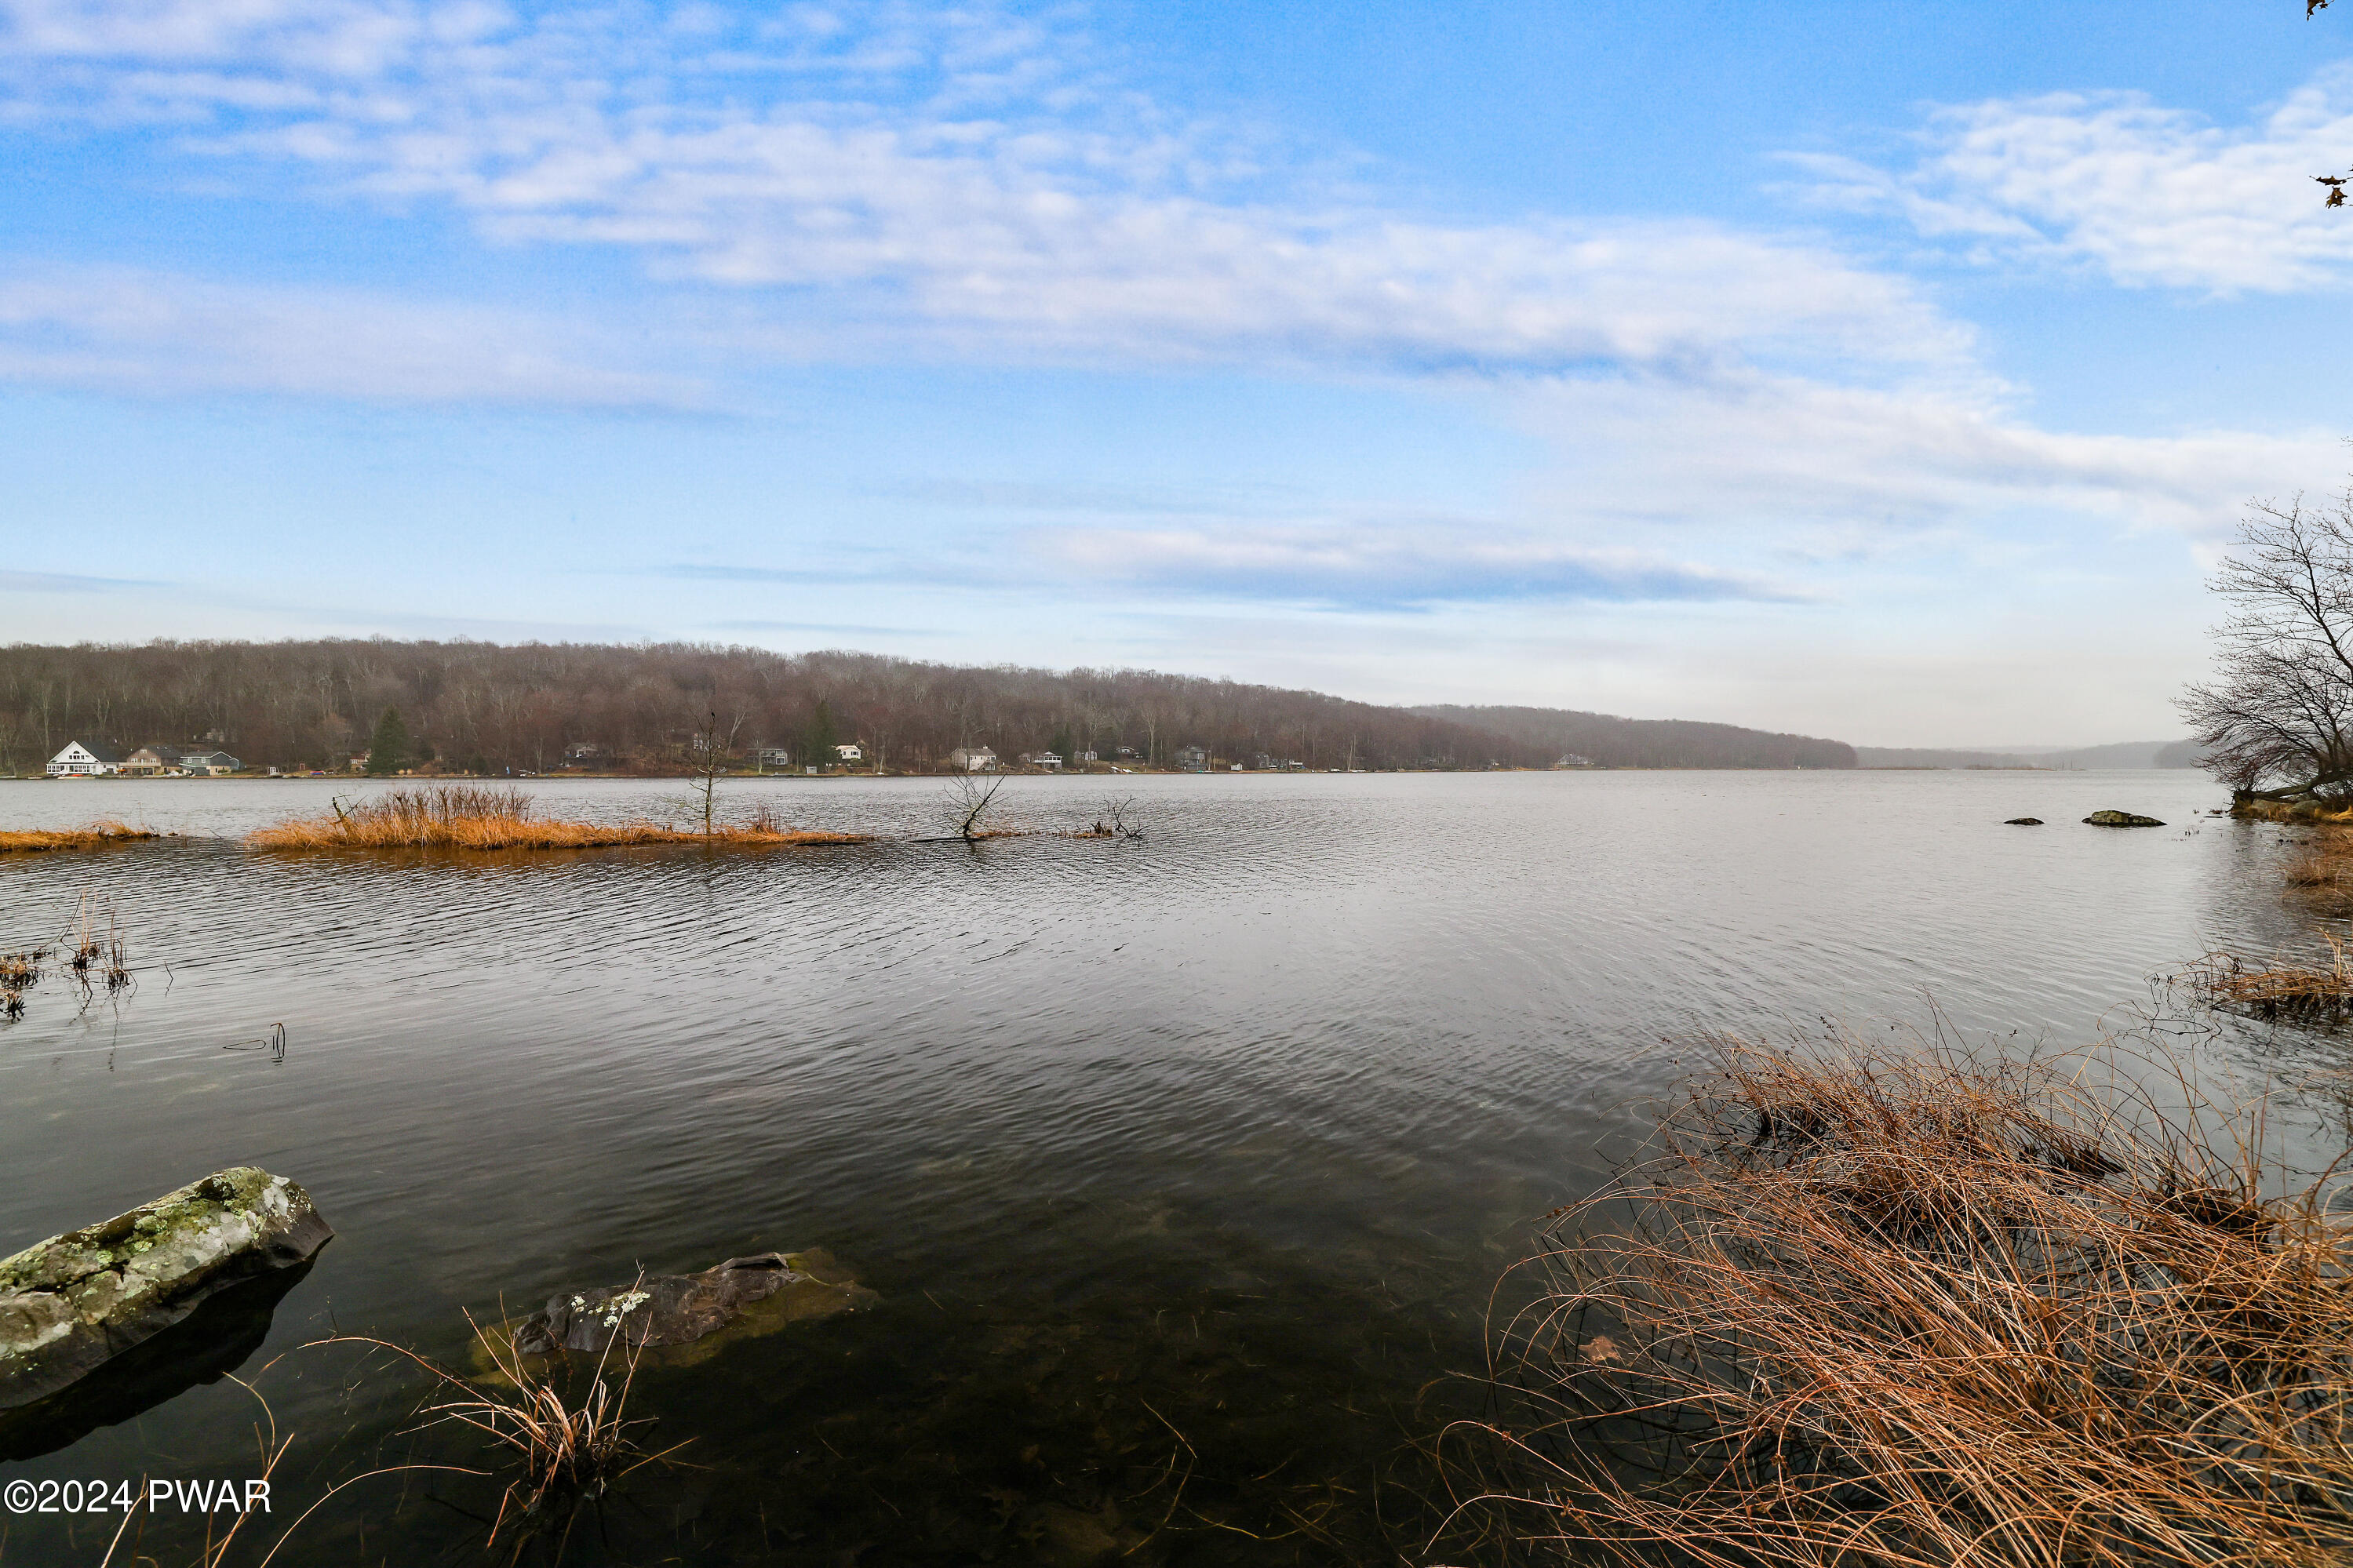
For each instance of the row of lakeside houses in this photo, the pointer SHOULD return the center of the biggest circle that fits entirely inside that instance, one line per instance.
(93, 759)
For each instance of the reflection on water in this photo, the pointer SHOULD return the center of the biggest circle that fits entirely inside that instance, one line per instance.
(1183, 1167)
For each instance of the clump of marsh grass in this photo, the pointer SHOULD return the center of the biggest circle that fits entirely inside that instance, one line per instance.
(470, 816)
(19, 972)
(561, 1451)
(95, 836)
(1884, 1309)
(2319, 994)
(2322, 869)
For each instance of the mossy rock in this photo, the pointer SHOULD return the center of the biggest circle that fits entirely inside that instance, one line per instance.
(2023, 822)
(2121, 819)
(69, 1304)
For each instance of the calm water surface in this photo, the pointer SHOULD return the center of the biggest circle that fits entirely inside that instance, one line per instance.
(1184, 1168)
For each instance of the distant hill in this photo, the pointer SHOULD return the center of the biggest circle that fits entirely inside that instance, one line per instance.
(2121, 755)
(1609, 741)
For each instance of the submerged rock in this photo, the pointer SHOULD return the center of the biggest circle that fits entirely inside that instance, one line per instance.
(2023, 822)
(2121, 819)
(662, 1310)
(73, 1302)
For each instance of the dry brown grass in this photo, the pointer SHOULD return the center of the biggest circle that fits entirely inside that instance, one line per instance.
(96, 836)
(465, 816)
(2322, 869)
(564, 1451)
(2302, 993)
(1883, 1309)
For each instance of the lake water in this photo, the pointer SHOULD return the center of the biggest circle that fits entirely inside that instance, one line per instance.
(1184, 1168)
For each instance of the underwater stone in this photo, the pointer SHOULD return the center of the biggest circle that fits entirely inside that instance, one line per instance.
(69, 1304)
(665, 1309)
(2121, 819)
(2023, 822)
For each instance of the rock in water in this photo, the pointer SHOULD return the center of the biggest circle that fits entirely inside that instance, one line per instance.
(72, 1302)
(2121, 819)
(664, 1309)
(2023, 822)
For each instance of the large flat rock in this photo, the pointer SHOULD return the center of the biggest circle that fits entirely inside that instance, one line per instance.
(71, 1303)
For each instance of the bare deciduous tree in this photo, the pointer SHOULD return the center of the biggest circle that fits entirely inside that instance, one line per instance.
(712, 747)
(2276, 722)
(969, 804)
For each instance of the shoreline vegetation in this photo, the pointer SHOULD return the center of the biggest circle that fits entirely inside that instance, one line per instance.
(1883, 1307)
(462, 817)
(2322, 867)
(95, 836)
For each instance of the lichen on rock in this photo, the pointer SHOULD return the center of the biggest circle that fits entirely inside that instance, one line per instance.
(69, 1303)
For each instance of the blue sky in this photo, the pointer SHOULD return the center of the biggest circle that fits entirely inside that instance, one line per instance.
(1886, 373)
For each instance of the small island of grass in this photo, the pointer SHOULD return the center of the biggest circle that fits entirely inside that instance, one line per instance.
(96, 836)
(460, 816)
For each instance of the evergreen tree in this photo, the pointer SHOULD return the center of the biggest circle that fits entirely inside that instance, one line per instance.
(822, 737)
(388, 747)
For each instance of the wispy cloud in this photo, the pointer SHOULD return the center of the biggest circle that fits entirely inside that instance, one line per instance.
(883, 568)
(127, 330)
(1826, 471)
(2120, 184)
(955, 181)
(851, 628)
(68, 582)
(1386, 567)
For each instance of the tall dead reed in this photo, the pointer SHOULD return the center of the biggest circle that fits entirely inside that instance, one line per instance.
(470, 817)
(1882, 1309)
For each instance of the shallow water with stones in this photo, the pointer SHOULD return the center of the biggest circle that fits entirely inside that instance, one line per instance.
(1183, 1168)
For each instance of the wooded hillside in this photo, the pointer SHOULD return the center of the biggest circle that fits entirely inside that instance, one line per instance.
(1609, 742)
(489, 707)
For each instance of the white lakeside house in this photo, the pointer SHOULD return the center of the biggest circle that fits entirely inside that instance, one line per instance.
(85, 760)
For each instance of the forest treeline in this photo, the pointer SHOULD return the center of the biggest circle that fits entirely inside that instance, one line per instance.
(487, 707)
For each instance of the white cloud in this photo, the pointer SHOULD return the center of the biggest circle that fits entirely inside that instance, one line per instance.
(118, 328)
(2148, 195)
(945, 180)
(1830, 469)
